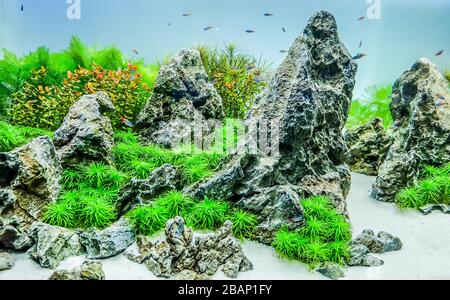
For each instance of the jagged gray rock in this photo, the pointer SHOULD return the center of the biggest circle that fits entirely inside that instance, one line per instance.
(108, 242)
(368, 145)
(196, 257)
(421, 131)
(29, 181)
(310, 96)
(139, 251)
(360, 256)
(89, 270)
(381, 243)
(331, 271)
(183, 100)
(53, 244)
(6, 261)
(86, 134)
(142, 191)
(428, 209)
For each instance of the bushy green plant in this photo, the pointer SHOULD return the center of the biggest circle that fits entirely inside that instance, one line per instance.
(237, 77)
(148, 219)
(376, 104)
(71, 179)
(96, 212)
(125, 136)
(62, 213)
(175, 204)
(208, 214)
(12, 137)
(324, 237)
(244, 224)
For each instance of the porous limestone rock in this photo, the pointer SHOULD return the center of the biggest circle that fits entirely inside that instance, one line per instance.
(304, 109)
(89, 270)
(142, 191)
(421, 131)
(331, 271)
(100, 244)
(360, 256)
(381, 243)
(182, 101)
(368, 145)
(196, 257)
(139, 251)
(29, 181)
(53, 244)
(428, 209)
(86, 134)
(6, 261)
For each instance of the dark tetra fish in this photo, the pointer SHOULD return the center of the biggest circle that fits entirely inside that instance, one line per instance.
(187, 14)
(439, 53)
(208, 28)
(360, 44)
(282, 28)
(283, 51)
(21, 7)
(268, 14)
(358, 56)
(361, 18)
(250, 31)
(135, 51)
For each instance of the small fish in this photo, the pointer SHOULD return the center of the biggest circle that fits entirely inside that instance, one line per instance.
(282, 28)
(360, 44)
(296, 220)
(440, 97)
(268, 14)
(439, 53)
(208, 28)
(250, 31)
(135, 51)
(133, 77)
(169, 24)
(187, 15)
(21, 8)
(358, 56)
(361, 18)
(283, 51)
(126, 122)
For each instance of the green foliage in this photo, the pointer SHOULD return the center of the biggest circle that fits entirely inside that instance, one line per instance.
(324, 237)
(96, 212)
(208, 214)
(127, 137)
(236, 76)
(434, 188)
(375, 105)
(12, 137)
(71, 179)
(62, 213)
(148, 219)
(175, 204)
(244, 224)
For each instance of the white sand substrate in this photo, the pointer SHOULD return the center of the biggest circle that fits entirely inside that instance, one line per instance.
(425, 253)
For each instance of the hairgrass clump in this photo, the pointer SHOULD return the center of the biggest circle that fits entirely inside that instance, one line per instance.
(12, 137)
(96, 212)
(324, 237)
(175, 204)
(148, 219)
(434, 188)
(244, 224)
(208, 214)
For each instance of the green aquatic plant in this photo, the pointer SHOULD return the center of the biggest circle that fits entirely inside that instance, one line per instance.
(338, 252)
(12, 137)
(148, 219)
(315, 253)
(286, 244)
(317, 206)
(126, 137)
(140, 169)
(95, 174)
(340, 229)
(375, 104)
(175, 204)
(62, 213)
(195, 168)
(315, 229)
(208, 214)
(409, 198)
(238, 77)
(96, 212)
(244, 224)
(429, 191)
(71, 179)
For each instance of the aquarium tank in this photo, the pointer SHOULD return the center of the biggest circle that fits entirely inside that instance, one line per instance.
(213, 140)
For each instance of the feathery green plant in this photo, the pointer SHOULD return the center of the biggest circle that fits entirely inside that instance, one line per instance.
(175, 204)
(148, 219)
(376, 104)
(62, 213)
(12, 137)
(207, 214)
(96, 212)
(244, 224)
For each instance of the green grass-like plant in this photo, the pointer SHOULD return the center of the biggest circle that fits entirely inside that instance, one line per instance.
(208, 214)
(96, 212)
(148, 219)
(12, 137)
(175, 204)
(62, 213)
(244, 224)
